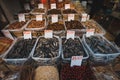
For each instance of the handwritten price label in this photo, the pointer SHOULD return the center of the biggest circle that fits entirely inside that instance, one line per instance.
(53, 6)
(67, 6)
(39, 18)
(54, 18)
(76, 61)
(40, 6)
(70, 34)
(21, 17)
(27, 35)
(71, 17)
(90, 32)
(84, 17)
(48, 33)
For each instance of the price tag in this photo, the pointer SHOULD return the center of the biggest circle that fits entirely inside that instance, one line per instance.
(71, 17)
(48, 33)
(27, 35)
(7, 34)
(54, 18)
(84, 17)
(53, 6)
(60, 0)
(40, 6)
(21, 17)
(90, 32)
(67, 6)
(27, 6)
(70, 34)
(76, 61)
(39, 18)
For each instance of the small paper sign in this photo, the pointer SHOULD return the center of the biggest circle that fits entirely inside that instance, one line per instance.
(21, 17)
(27, 6)
(53, 6)
(54, 18)
(60, 0)
(40, 6)
(70, 34)
(39, 18)
(67, 6)
(48, 33)
(90, 32)
(76, 61)
(84, 17)
(71, 17)
(27, 35)
(7, 34)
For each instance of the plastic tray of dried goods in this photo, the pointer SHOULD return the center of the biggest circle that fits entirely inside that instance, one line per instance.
(36, 25)
(54, 11)
(57, 27)
(91, 24)
(100, 48)
(20, 51)
(72, 47)
(5, 44)
(16, 27)
(38, 11)
(69, 11)
(76, 16)
(46, 49)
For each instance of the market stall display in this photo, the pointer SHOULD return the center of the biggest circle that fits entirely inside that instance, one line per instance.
(73, 47)
(46, 49)
(20, 51)
(100, 48)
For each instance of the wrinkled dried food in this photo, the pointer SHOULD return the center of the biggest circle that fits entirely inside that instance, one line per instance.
(73, 24)
(69, 11)
(36, 24)
(72, 48)
(47, 48)
(54, 11)
(99, 45)
(22, 48)
(56, 26)
(16, 25)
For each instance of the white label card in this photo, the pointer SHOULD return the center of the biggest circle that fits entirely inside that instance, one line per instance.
(76, 61)
(53, 6)
(7, 34)
(84, 17)
(67, 6)
(27, 6)
(40, 6)
(88, 17)
(21, 17)
(71, 17)
(90, 32)
(70, 34)
(54, 18)
(27, 35)
(48, 33)
(39, 18)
